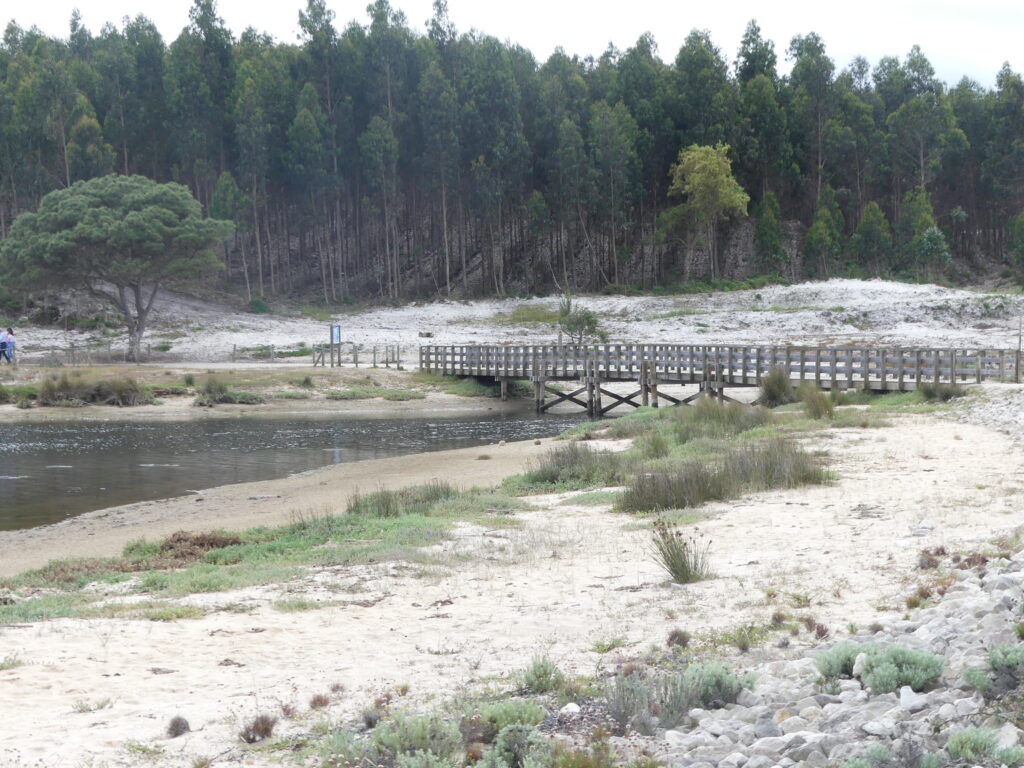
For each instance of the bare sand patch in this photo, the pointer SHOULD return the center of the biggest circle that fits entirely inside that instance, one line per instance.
(480, 605)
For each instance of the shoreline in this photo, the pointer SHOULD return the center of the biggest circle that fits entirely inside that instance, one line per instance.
(325, 490)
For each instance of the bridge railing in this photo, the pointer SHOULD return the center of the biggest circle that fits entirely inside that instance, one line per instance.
(848, 366)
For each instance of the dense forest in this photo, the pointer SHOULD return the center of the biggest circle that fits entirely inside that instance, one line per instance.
(376, 160)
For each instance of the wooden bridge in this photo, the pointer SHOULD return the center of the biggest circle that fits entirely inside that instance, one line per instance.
(712, 367)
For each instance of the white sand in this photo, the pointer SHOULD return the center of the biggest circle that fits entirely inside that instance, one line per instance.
(829, 312)
(569, 576)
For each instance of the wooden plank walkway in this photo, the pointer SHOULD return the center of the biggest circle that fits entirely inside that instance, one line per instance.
(713, 368)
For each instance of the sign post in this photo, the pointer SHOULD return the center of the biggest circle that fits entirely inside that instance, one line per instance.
(335, 344)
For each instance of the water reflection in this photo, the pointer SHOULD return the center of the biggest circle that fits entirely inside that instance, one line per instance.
(52, 471)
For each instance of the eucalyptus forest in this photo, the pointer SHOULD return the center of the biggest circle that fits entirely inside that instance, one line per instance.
(389, 160)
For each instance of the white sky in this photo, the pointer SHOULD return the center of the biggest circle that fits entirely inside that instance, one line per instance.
(960, 37)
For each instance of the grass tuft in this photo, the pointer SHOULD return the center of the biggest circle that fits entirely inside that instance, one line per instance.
(685, 558)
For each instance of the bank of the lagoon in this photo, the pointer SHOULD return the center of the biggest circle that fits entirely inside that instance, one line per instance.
(53, 470)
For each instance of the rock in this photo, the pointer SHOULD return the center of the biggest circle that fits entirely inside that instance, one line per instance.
(771, 746)
(749, 699)
(858, 664)
(716, 727)
(884, 726)
(793, 725)
(910, 701)
(734, 760)
(569, 710)
(766, 726)
(1009, 736)
(759, 761)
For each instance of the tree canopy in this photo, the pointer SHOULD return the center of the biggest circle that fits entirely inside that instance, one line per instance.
(375, 159)
(121, 238)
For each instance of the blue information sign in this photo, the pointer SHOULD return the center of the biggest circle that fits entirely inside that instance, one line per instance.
(335, 334)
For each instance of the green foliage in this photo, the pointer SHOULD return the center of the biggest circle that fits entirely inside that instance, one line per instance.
(216, 392)
(572, 466)
(644, 704)
(702, 176)
(972, 744)
(412, 500)
(872, 242)
(405, 734)
(823, 244)
(578, 323)
(519, 746)
(542, 676)
(128, 233)
(887, 668)
(768, 243)
(941, 392)
(477, 136)
(259, 307)
(816, 404)
(762, 466)
(367, 393)
(501, 714)
(1010, 756)
(65, 391)
(776, 388)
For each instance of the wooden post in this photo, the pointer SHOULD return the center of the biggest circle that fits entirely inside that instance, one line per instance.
(899, 353)
(645, 394)
(917, 368)
(504, 389)
(865, 368)
(538, 394)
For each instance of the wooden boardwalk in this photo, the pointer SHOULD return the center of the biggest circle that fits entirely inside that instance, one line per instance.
(712, 367)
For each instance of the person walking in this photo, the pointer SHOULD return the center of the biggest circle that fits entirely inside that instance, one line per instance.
(3, 344)
(9, 345)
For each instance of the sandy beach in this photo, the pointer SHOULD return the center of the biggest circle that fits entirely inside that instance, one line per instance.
(485, 601)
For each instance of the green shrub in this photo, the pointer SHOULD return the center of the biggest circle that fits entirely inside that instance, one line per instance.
(214, 392)
(973, 744)
(663, 701)
(407, 734)
(190, 380)
(763, 466)
(684, 558)
(629, 702)
(501, 714)
(413, 500)
(574, 465)
(816, 404)
(653, 445)
(518, 746)
(542, 676)
(1010, 756)
(423, 759)
(711, 419)
(65, 391)
(838, 661)
(1007, 660)
(979, 680)
(887, 668)
(259, 307)
(776, 388)
(942, 392)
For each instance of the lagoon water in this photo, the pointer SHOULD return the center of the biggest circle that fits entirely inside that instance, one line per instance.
(55, 470)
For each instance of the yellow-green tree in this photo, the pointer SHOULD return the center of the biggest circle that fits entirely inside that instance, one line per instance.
(702, 177)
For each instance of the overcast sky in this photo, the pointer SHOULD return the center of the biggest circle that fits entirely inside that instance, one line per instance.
(960, 37)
